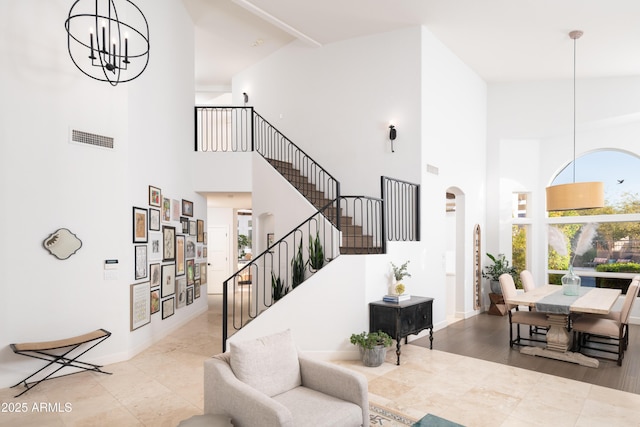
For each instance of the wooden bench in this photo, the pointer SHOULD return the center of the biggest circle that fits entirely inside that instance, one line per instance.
(46, 350)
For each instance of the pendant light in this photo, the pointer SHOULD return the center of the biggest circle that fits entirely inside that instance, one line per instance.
(576, 195)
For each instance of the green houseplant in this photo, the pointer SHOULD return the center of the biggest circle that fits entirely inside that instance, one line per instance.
(494, 271)
(297, 267)
(278, 288)
(399, 273)
(316, 253)
(372, 346)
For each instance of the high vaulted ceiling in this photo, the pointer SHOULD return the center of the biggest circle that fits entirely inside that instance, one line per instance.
(502, 40)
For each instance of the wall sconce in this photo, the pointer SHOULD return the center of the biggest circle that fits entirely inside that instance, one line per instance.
(392, 136)
(245, 97)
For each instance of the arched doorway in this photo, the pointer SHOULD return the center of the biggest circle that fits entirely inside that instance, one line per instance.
(455, 250)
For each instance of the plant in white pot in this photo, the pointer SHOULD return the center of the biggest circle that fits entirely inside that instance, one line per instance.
(494, 271)
(372, 346)
(399, 273)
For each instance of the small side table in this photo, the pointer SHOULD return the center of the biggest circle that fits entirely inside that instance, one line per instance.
(497, 307)
(402, 319)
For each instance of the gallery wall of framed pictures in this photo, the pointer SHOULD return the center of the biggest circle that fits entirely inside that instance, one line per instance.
(170, 258)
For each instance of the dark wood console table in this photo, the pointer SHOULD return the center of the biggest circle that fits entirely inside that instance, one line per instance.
(402, 319)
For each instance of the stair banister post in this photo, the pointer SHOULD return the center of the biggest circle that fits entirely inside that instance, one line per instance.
(383, 226)
(253, 120)
(225, 315)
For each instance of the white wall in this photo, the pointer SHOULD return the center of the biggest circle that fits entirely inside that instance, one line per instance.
(49, 183)
(336, 102)
(454, 141)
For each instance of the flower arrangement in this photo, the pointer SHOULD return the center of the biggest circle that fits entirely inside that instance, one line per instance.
(401, 272)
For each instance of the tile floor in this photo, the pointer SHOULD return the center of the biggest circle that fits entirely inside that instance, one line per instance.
(163, 385)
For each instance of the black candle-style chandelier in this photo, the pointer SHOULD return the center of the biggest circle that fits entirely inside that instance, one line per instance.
(108, 43)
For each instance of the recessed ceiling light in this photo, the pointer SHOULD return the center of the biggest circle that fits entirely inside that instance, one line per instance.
(257, 43)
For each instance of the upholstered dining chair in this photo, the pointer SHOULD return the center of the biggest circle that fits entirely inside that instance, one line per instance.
(266, 382)
(528, 283)
(530, 318)
(607, 333)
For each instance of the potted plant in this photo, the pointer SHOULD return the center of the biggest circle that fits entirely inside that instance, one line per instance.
(297, 268)
(372, 346)
(494, 271)
(316, 253)
(399, 273)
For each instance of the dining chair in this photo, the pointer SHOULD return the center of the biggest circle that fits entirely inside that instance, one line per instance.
(607, 333)
(528, 284)
(529, 318)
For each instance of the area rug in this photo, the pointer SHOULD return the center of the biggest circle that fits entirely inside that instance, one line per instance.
(381, 416)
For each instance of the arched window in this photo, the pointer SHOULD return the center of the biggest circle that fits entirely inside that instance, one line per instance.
(602, 244)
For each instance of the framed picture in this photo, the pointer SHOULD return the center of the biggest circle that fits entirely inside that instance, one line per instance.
(203, 272)
(204, 252)
(141, 261)
(166, 209)
(175, 210)
(140, 217)
(180, 255)
(168, 285)
(196, 271)
(140, 305)
(198, 251)
(155, 275)
(155, 300)
(200, 230)
(196, 288)
(190, 247)
(181, 293)
(155, 246)
(154, 219)
(205, 238)
(187, 208)
(192, 228)
(167, 307)
(190, 295)
(155, 196)
(168, 243)
(190, 271)
(184, 221)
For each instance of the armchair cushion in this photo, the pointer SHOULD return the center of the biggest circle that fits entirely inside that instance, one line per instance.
(268, 364)
(312, 408)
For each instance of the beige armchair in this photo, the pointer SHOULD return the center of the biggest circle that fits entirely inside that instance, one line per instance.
(266, 383)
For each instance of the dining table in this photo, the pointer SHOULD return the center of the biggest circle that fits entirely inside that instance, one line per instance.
(551, 300)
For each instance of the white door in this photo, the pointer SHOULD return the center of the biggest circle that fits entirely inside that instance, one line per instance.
(218, 257)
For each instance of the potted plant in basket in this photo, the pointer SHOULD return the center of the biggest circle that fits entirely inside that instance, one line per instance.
(494, 271)
(372, 346)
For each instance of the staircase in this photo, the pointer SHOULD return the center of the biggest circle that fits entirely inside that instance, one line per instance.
(354, 240)
(342, 225)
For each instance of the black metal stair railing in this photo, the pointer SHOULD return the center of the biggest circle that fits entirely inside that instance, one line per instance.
(241, 129)
(304, 173)
(278, 270)
(401, 210)
(361, 225)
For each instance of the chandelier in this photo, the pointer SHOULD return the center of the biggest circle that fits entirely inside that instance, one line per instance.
(576, 195)
(108, 40)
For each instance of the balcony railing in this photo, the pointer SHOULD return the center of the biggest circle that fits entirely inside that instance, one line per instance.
(401, 209)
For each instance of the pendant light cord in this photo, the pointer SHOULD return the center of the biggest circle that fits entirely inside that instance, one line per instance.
(574, 108)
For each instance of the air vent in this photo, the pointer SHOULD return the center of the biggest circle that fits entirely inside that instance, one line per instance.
(432, 169)
(91, 139)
